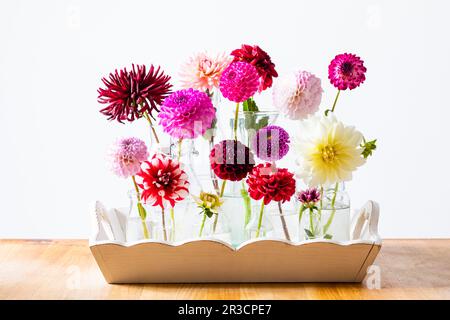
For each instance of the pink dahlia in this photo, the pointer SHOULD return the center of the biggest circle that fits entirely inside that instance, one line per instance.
(186, 113)
(126, 156)
(128, 95)
(309, 197)
(239, 81)
(271, 143)
(203, 71)
(269, 183)
(231, 160)
(346, 71)
(262, 62)
(297, 96)
(162, 181)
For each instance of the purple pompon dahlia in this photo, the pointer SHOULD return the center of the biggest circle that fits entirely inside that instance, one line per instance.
(126, 156)
(186, 114)
(346, 71)
(239, 81)
(129, 95)
(271, 143)
(231, 160)
(309, 197)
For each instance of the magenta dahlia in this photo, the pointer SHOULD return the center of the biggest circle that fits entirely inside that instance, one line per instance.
(126, 156)
(271, 143)
(130, 94)
(269, 183)
(309, 197)
(162, 181)
(186, 113)
(262, 62)
(346, 71)
(231, 160)
(239, 81)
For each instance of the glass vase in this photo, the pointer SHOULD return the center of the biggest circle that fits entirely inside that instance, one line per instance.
(250, 122)
(330, 220)
(238, 211)
(163, 224)
(139, 224)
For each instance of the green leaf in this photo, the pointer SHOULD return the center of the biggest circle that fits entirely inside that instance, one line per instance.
(249, 105)
(328, 236)
(141, 210)
(263, 122)
(326, 112)
(368, 148)
(309, 233)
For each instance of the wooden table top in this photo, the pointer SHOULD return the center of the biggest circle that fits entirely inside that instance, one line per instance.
(65, 269)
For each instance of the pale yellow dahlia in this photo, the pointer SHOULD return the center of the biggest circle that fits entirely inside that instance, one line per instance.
(327, 151)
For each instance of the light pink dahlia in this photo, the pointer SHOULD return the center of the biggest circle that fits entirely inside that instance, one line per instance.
(186, 113)
(298, 95)
(239, 81)
(346, 71)
(126, 156)
(202, 71)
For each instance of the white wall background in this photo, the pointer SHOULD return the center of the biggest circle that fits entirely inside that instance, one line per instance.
(53, 54)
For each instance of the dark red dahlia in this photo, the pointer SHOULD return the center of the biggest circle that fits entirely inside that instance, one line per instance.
(262, 62)
(231, 160)
(129, 95)
(267, 182)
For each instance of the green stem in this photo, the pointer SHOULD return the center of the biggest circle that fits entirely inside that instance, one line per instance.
(283, 223)
(260, 219)
(147, 116)
(236, 116)
(311, 223)
(333, 209)
(222, 189)
(335, 100)
(247, 203)
(141, 209)
(164, 224)
(215, 222)
(172, 216)
(202, 225)
(180, 141)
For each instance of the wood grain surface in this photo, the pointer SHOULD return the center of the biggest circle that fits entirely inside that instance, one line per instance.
(65, 269)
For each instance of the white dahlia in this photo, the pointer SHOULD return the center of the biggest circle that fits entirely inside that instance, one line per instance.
(327, 151)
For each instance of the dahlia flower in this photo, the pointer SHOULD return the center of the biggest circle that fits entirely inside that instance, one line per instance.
(309, 197)
(269, 183)
(126, 156)
(262, 62)
(271, 143)
(231, 160)
(162, 181)
(346, 71)
(128, 95)
(297, 96)
(239, 81)
(328, 151)
(203, 71)
(186, 113)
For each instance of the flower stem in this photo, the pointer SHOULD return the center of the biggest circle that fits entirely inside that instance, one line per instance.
(180, 141)
(311, 224)
(283, 222)
(333, 209)
(147, 116)
(246, 198)
(300, 213)
(172, 216)
(236, 116)
(260, 219)
(222, 189)
(213, 175)
(215, 222)
(141, 209)
(335, 100)
(202, 225)
(164, 224)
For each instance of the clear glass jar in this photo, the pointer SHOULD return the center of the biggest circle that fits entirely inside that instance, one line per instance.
(331, 219)
(139, 224)
(275, 220)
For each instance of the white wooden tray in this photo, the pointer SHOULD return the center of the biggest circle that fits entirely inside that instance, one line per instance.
(210, 260)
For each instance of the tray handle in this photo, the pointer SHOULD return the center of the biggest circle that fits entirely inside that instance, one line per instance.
(365, 223)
